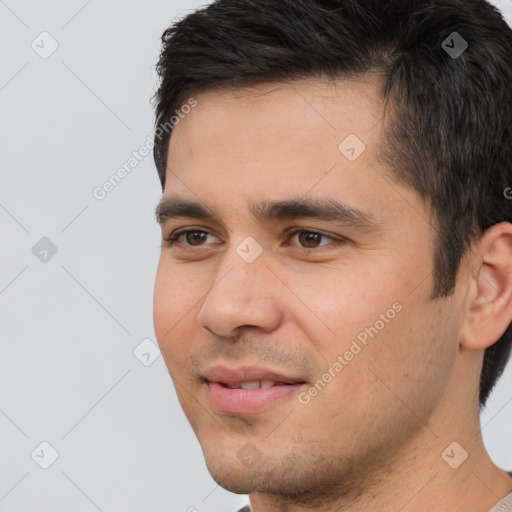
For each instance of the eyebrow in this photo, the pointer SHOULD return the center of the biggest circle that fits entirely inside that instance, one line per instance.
(294, 208)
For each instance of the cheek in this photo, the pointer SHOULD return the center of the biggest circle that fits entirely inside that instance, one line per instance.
(399, 335)
(173, 301)
(163, 302)
(341, 305)
(411, 359)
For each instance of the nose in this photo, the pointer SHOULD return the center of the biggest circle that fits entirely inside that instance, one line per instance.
(241, 295)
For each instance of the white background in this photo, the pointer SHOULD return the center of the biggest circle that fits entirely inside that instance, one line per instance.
(68, 375)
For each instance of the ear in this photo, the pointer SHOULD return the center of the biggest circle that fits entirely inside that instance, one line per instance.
(489, 310)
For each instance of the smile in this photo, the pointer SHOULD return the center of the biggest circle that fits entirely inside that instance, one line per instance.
(249, 397)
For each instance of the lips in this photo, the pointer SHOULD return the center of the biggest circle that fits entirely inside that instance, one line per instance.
(255, 384)
(248, 390)
(235, 378)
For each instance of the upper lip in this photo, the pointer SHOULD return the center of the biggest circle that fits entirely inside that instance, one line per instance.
(235, 376)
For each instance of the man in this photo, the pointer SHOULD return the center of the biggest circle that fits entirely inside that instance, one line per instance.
(333, 299)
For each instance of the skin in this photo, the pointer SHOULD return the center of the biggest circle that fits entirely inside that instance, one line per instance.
(372, 438)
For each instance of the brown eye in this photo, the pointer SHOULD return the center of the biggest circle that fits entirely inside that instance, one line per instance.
(309, 239)
(195, 237)
(187, 238)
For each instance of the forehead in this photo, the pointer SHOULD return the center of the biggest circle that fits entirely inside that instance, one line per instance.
(275, 141)
(299, 124)
(295, 115)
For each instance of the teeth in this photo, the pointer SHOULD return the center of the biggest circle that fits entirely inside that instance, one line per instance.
(254, 384)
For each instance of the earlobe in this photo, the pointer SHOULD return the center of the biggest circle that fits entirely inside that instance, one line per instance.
(489, 310)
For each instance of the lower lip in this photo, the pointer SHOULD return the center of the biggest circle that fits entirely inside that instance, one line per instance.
(237, 401)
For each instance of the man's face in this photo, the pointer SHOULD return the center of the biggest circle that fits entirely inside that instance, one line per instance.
(338, 307)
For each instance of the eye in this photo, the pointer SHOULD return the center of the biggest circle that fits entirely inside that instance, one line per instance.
(192, 237)
(310, 239)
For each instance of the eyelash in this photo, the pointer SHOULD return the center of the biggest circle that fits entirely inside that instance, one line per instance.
(170, 241)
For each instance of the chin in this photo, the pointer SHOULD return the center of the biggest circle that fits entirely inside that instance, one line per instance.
(234, 472)
(284, 475)
(233, 477)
